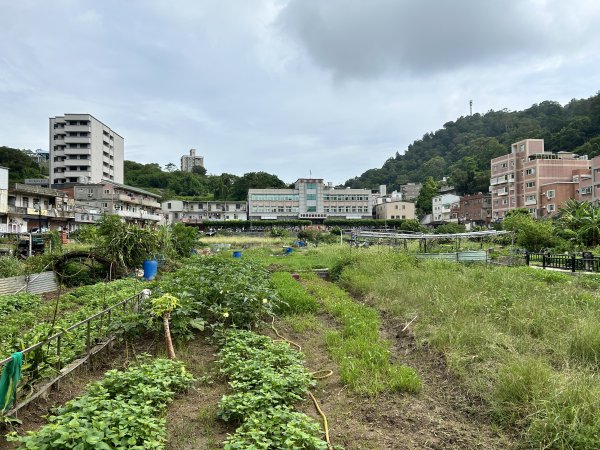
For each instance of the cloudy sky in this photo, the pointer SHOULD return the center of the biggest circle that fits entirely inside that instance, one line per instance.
(288, 87)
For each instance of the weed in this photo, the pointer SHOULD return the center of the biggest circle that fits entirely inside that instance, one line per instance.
(294, 298)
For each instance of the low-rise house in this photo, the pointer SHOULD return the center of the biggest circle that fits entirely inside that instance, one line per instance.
(32, 207)
(475, 209)
(193, 212)
(391, 207)
(443, 206)
(133, 205)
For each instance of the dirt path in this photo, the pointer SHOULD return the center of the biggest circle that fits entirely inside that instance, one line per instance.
(439, 417)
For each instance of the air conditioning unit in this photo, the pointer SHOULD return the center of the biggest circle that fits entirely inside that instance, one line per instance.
(90, 195)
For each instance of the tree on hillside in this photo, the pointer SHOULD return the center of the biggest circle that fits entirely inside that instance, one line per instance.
(254, 180)
(428, 191)
(19, 165)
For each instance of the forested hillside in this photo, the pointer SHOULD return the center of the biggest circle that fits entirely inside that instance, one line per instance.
(19, 165)
(462, 149)
(176, 183)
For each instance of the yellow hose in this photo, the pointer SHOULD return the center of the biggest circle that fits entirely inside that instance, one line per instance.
(327, 372)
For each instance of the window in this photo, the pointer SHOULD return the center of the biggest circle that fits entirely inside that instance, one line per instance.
(311, 209)
(530, 171)
(311, 185)
(530, 184)
(311, 196)
(550, 194)
(550, 208)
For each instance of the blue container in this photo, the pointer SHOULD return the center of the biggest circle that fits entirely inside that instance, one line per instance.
(150, 268)
(287, 250)
(237, 254)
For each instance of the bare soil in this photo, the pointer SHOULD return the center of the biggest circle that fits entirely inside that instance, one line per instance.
(441, 416)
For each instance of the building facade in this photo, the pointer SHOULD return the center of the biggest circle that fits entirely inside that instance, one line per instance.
(309, 199)
(517, 178)
(475, 209)
(84, 150)
(391, 209)
(132, 204)
(188, 162)
(444, 208)
(196, 212)
(410, 191)
(32, 207)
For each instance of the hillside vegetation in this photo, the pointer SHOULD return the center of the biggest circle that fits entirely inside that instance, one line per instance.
(462, 149)
(19, 165)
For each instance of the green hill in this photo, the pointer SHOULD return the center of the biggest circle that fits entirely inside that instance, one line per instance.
(462, 149)
(20, 165)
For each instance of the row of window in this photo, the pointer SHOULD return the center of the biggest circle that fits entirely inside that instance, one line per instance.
(345, 198)
(346, 209)
(274, 209)
(275, 197)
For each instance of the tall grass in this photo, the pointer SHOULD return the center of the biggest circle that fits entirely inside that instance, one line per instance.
(362, 356)
(526, 340)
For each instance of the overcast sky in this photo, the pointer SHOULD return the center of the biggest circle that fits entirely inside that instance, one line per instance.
(331, 87)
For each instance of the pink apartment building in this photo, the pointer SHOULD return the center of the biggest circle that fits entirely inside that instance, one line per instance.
(519, 178)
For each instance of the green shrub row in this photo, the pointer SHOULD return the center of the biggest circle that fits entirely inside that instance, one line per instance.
(221, 292)
(267, 378)
(124, 410)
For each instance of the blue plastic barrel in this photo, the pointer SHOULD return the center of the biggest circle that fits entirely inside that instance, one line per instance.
(237, 254)
(150, 268)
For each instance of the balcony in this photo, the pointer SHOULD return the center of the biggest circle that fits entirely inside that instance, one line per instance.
(17, 209)
(78, 151)
(77, 140)
(61, 214)
(77, 162)
(135, 200)
(530, 202)
(78, 128)
(142, 215)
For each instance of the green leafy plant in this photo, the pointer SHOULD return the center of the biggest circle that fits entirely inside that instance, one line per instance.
(124, 410)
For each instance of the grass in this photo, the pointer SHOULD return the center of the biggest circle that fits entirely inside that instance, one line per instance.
(304, 259)
(362, 356)
(296, 299)
(526, 340)
(248, 240)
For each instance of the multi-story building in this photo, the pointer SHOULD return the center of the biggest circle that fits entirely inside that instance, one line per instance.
(84, 150)
(132, 204)
(444, 208)
(410, 191)
(188, 162)
(36, 207)
(518, 177)
(391, 209)
(309, 199)
(3, 199)
(193, 212)
(475, 209)
(553, 195)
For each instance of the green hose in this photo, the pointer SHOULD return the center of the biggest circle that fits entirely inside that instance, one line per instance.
(9, 380)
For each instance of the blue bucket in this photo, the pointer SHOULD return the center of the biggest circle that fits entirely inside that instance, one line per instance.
(287, 250)
(150, 268)
(237, 254)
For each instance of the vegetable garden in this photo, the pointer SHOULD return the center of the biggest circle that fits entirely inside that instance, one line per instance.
(394, 352)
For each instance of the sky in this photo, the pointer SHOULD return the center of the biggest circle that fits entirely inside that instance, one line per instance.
(290, 87)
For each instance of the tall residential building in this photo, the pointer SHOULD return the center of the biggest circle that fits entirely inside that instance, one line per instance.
(475, 209)
(310, 199)
(188, 162)
(84, 150)
(518, 178)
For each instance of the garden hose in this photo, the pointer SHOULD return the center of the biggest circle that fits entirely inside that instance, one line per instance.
(327, 372)
(298, 346)
(325, 423)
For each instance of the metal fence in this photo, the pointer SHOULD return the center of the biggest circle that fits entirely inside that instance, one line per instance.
(37, 283)
(97, 333)
(466, 256)
(585, 263)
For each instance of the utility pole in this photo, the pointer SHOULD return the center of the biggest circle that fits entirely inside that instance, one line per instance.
(470, 107)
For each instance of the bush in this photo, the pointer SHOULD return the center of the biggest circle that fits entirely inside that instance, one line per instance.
(184, 239)
(11, 267)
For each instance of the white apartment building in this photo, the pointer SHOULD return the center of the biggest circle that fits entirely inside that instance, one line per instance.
(192, 212)
(84, 150)
(442, 206)
(310, 199)
(188, 162)
(3, 199)
(391, 207)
